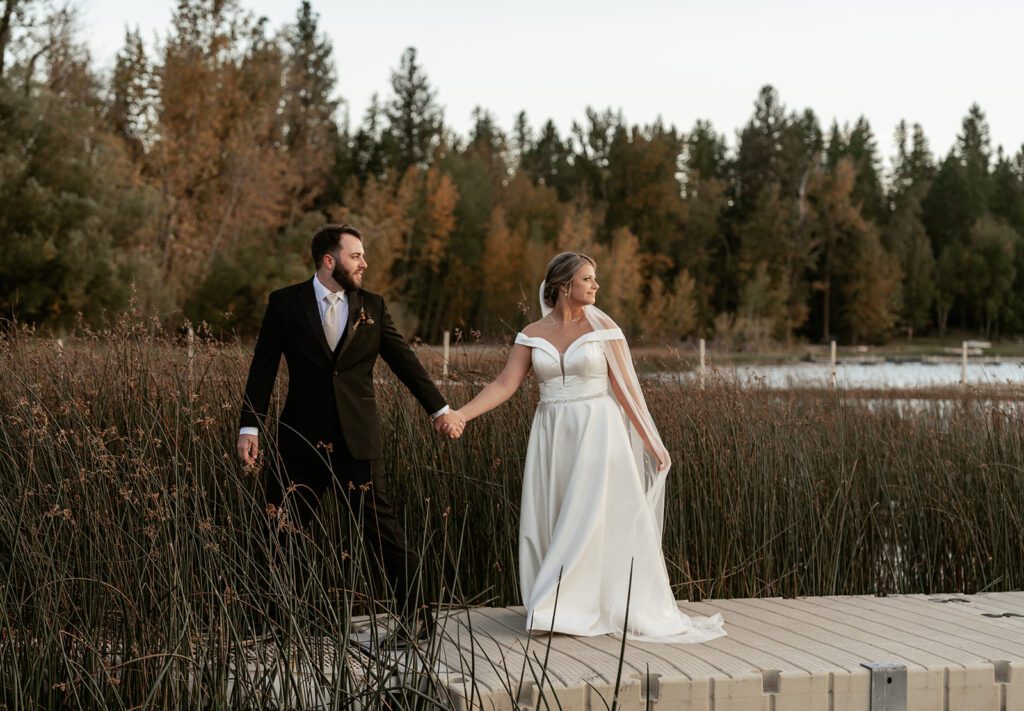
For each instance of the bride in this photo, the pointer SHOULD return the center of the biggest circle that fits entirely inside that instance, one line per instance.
(594, 479)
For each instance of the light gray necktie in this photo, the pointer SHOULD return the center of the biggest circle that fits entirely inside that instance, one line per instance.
(332, 325)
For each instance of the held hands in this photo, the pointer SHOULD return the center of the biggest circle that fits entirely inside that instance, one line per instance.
(451, 424)
(248, 449)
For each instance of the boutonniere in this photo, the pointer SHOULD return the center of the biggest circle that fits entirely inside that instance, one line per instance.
(363, 318)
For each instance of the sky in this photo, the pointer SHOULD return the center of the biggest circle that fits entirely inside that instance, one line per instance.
(925, 62)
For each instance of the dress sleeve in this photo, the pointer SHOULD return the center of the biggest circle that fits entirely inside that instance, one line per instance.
(607, 334)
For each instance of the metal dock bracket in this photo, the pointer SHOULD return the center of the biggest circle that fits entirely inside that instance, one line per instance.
(888, 686)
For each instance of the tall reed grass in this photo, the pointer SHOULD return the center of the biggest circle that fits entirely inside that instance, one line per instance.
(134, 545)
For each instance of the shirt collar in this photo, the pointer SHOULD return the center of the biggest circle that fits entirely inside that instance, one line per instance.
(321, 291)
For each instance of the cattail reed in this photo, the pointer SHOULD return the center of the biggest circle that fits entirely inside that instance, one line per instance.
(135, 546)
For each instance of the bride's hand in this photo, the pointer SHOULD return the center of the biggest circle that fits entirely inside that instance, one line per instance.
(454, 424)
(662, 463)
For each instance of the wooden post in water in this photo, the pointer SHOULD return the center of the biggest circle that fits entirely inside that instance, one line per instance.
(963, 364)
(832, 363)
(444, 368)
(702, 364)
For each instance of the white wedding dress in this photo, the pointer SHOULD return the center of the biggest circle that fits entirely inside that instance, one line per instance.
(585, 516)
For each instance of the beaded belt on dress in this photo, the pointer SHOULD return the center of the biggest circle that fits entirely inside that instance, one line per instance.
(553, 400)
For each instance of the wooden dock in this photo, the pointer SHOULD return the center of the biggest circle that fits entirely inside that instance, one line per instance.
(947, 652)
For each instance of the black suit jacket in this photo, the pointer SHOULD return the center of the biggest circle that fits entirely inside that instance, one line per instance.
(328, 390)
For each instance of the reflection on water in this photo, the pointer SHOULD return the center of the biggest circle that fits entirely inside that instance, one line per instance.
(873, 375)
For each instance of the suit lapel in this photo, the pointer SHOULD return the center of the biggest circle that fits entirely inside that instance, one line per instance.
(307, 299)
(355, 305)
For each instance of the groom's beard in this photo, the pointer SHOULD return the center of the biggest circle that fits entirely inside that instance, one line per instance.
(345, 279)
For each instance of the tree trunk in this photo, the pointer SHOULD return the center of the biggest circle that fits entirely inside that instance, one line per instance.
(5, 31)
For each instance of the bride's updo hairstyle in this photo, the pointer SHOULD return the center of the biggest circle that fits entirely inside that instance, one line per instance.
(561, 271)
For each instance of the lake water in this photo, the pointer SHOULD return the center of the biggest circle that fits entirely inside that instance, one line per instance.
(869, 375)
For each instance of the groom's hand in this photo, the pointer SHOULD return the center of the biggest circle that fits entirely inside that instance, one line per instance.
(450, 424)
(248, 448)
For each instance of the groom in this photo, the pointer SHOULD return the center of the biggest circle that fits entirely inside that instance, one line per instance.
(330, 333)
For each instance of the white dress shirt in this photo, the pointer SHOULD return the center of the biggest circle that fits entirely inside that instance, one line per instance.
(321, 292)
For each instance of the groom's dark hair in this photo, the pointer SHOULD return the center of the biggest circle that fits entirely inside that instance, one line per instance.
(328, 238)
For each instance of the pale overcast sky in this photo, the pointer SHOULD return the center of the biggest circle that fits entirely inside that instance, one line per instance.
(922, 61)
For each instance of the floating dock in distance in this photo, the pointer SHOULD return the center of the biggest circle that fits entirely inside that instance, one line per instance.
(857, 653)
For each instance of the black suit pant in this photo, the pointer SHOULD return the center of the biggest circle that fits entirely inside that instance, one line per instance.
(305, 474)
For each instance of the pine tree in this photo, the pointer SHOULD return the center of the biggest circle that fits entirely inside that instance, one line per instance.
(479, 173)
(708, 243)
(427, 262)
(414, 118)
(1007, 199)
(947, 213)
(706, 152)
(308, 107)
(702, 241)
(759, 161)
(488, 142)
(835, 148)
(763, 312)
(643, 190)
(520, 142)
(858, 145)
(870, 288)
(13, 12)
(904, 235)
(772, 238)
(774, 149)
(907, 240)
(990, 270)
(368, 145)
(549, 162)
(857, 280)
(129, 108)
(974, 152)
(913, 167)
(867, 186)
(950, 280)
(592, 150)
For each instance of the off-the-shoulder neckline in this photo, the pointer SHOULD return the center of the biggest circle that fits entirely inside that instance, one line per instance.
(571, 345)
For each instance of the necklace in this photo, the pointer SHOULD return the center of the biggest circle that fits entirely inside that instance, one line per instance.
(566, 323)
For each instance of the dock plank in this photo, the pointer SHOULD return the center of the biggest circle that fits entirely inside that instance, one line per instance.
(803, 653)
